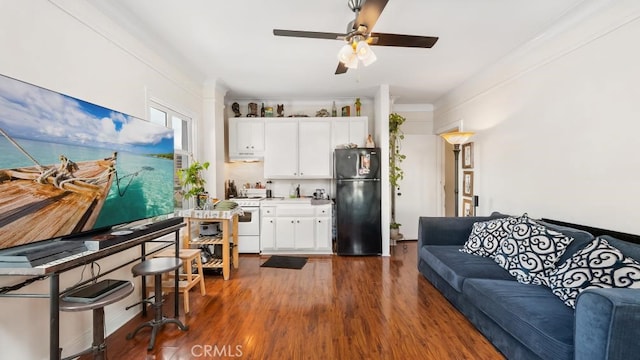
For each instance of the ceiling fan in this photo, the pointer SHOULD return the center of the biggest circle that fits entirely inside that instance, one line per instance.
(359, 36)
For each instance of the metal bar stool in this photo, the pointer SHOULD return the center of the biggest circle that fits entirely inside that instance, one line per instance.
(157, 267)
(99, 346)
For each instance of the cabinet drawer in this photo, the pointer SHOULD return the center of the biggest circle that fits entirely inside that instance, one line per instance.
(295, 211)
(323, 211)
(268, 211)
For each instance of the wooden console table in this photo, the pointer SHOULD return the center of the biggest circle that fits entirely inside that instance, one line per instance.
(193, 218)
(138, 238)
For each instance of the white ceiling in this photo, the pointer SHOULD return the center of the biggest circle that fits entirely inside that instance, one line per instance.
(232, 42)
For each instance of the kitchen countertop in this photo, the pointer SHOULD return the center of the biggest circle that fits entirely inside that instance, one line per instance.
(300, 200)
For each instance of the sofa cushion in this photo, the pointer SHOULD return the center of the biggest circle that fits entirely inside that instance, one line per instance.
(531, 251)
(530, 313)
(454, 266)
(580, 239)
(598, 265)
(485, 236)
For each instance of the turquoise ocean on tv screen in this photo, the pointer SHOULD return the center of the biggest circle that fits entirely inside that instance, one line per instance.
(144, 188)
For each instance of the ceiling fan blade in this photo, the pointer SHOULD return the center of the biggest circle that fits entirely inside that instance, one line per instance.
(381, 39)
(308, 34)
(370, 13)
(341, 69)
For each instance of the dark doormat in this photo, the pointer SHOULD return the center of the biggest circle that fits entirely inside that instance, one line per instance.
(285, 262)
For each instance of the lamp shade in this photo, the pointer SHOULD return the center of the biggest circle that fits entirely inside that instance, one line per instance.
(457, 137)
(365, 54)
(348, 57)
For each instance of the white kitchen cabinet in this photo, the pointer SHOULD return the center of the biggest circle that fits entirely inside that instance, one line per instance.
(297, 148)
(296, 228)
(246, 138)
(281, 149)
(314, 149)
(267, 229)
(349, 130)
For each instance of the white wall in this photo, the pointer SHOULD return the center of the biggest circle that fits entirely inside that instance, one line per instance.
(421, 185)
(68, 47)
(557, 122)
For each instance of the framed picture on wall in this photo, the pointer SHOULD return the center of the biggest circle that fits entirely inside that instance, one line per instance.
(467, 183)
(467, 156)
(467, 207)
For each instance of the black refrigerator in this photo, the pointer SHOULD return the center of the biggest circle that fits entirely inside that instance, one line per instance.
(358, 223)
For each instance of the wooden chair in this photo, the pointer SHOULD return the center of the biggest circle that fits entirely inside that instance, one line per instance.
(188, 279)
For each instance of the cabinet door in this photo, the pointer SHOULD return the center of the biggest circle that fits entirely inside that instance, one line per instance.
(358, 131)
(267, 233)
(323, 233)
(285, 232)
(305, 233)
(281, 149)
(339, 133)
(250, 136)
(314, 148)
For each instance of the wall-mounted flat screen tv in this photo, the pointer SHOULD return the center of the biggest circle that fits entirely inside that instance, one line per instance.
(69, 166)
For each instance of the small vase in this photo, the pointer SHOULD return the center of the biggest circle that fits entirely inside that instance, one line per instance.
(201, 200)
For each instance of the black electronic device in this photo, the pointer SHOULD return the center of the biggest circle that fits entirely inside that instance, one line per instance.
(96, 291)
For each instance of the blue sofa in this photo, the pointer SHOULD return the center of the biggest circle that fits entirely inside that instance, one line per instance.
(526, 321)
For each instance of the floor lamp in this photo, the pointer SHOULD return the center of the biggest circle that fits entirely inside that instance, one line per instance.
(456, 138)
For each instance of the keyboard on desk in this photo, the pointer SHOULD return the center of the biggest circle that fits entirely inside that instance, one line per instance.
(65, 259)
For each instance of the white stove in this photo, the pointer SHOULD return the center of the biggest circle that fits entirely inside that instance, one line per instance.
(249, 224)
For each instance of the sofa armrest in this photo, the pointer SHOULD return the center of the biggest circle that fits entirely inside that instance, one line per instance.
(607, 324)
(447, 230)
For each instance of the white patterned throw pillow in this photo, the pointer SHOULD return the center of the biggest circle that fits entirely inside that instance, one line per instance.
(485, 236)
(598, 265)
(531, 251)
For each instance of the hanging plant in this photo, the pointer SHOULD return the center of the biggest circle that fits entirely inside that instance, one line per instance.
(395, 145)
(395, 171)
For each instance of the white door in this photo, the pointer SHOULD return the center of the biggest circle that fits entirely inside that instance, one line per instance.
(314, 142)
(267, 233)
(419, 188)
(285, 232)
(305, 233)
(323, 233)
(250, 135)
(281, 149)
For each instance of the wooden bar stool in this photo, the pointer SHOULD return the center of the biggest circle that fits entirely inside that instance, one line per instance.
(187, 280)
(99, 346)
(157, 267)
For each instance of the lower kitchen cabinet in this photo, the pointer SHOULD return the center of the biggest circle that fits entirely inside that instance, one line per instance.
(299, 228)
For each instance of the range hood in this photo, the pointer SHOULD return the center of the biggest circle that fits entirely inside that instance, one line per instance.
(247, 157)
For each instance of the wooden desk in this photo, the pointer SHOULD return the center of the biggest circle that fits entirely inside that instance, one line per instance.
(227, 218)
(54, 271)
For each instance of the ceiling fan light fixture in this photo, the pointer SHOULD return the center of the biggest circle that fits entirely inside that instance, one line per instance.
(348, 57)
(365, 54)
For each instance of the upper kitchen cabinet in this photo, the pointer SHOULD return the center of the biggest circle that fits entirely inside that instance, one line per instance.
(349, 130)
(246, 138)
(298, 148)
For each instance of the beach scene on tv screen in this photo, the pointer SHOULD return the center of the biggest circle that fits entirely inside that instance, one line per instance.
(69, 166)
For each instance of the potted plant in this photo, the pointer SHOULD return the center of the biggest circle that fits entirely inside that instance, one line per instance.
(395, 171)
(192, 181)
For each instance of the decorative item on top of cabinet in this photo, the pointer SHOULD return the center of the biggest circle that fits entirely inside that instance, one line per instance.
(236, 109)
(262, 110)
(370, 143)
(358, 104)
(280, 110)
(334, 110)
(346, 110)
(268, 112)
(253, 110)
(322, 113)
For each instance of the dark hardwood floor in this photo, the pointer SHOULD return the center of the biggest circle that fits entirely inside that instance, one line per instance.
(333, 308)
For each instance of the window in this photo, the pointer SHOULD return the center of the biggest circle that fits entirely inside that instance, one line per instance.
(181, 126)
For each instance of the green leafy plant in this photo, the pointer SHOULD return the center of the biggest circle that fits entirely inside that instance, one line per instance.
(191, 179)
(394, 225)
(395, 145)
